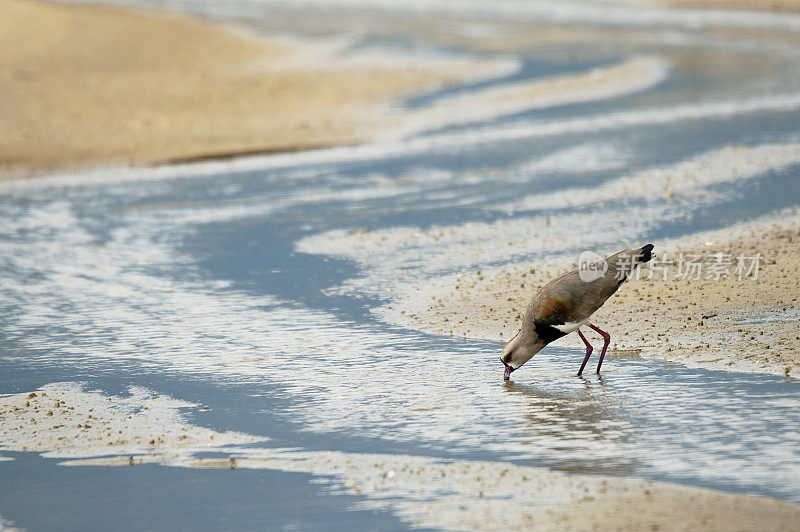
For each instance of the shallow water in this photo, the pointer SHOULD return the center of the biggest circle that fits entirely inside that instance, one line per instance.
(243, 286)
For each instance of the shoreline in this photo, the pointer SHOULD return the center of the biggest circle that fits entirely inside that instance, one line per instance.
(151, 88)
(147, 88)
(747, 324)
(88, 428)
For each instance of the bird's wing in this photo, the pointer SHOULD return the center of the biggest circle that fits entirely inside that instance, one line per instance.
(566, 303)
(552, 310)
(584, 298)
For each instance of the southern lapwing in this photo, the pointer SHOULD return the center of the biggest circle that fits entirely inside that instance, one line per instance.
(566, 303)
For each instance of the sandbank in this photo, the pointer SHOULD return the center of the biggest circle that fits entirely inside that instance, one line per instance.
(65, 420)
(87, 428)
(88, 85)
(745, 324)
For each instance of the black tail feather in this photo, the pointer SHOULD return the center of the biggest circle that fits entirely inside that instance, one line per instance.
(645, 254)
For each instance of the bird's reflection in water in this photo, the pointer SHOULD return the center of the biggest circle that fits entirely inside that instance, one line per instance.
(577, 427)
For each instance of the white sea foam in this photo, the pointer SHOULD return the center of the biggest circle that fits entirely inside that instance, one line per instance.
(418, 145)
(88, 428)
(402, 264)
(578, 159)
(593, 12)
(101, 301)
(728, 164)
(72, 297)
(345, 52)
(395, 260)
(63, 420)
(616, 120)
(634, 75)
(480, 495)
(102, 298)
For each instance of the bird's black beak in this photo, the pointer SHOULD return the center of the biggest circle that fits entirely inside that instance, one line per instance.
(507, 372)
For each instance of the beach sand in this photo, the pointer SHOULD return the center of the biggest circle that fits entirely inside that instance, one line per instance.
(82, 427)
(87, 85)
(748, 324)
(64, 420)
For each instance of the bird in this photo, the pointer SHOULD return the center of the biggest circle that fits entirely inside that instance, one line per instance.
(566, 303)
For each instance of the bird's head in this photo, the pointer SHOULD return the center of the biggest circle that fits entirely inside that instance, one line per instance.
(518, 351)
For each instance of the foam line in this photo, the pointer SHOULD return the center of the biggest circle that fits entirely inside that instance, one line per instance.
(602, 13)
(630, 76)
(483, 495)
(418, 145)
(88, 428)
(725, 165)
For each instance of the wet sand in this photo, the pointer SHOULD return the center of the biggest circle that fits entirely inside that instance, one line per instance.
(88, 428)
(64, 420)
(748, 324)
(86, 85)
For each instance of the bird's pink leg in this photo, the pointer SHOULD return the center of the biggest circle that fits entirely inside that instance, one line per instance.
(588, 352)
(606, 341)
